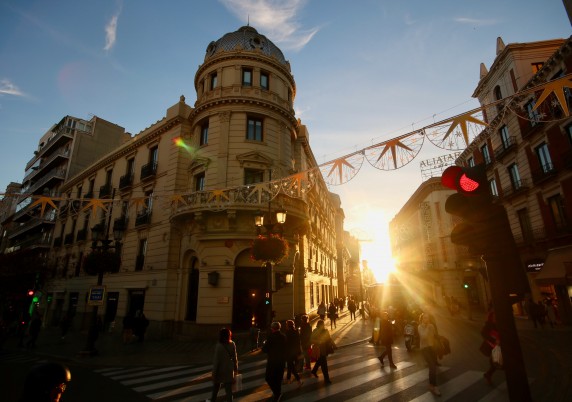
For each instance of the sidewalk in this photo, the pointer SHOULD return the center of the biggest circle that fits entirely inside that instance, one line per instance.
(112, 352)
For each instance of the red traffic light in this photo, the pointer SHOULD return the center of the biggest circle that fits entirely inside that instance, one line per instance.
(30, 293)
(468, 181)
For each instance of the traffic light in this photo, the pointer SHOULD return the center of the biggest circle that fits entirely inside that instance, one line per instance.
(472, 203)
(485, 227)
(267, 298)
(30, 293)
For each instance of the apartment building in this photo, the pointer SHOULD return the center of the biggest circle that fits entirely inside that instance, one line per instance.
(180, 198)
(527, 150)
(28, 223)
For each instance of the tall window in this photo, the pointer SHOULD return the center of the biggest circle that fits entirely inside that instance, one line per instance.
(153, 154)
(213, 80)
(533, 115)
(142, 251)
(505, 137)
(264, 81)
(544, 158)
(556, 205)
(569, 133)
(247, 77)
(253, 176)
(130, 167)
(204, 134)
(536, 66)
(148, 202)
(200, 181)
(514, 176)
(254, 129)
(486, 154)
(493, 188)
(471, 162)
(524, 222)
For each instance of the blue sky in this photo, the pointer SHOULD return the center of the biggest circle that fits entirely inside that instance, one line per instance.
(366, 70)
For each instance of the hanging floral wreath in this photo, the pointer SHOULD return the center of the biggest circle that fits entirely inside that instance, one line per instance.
(271, 248)
(108, 261)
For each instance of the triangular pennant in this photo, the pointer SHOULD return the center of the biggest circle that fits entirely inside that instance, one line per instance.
(556, 86)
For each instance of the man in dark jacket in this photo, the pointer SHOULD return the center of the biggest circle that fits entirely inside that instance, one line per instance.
(305, 335)
(275, 348)
(386, 336)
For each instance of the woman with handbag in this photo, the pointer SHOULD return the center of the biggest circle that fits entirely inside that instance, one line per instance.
(322, 338)
(491, 339)
(225, 364)
(427, 334)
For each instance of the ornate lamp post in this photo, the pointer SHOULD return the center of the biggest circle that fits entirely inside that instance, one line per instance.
(269, 248)
(104, 257)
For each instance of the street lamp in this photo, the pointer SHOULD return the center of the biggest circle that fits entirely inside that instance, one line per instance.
(272, 230)
(105, 257)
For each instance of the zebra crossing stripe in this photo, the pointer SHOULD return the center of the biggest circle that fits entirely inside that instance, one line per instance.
(340, 386)
(451, 387)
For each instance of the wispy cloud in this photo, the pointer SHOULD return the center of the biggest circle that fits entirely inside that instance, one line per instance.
(111, 30)
(8, 88)
(275, 19)
(475, 21)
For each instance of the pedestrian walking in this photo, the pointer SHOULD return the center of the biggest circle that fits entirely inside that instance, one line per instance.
(321, 337)
(275, 348)
(427, 334)
(332, 314)
(352, 308)
(322, 310)
(254, 334)
(34, 330)
(305, 340)
(491, 338)
(386, 336)
(550, 313)
(225, 364)
(140, 326)
(128, 325)
(45, 382)
(294, 352)
(65, 324)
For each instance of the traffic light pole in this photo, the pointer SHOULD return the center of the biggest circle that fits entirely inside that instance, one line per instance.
(504, 258)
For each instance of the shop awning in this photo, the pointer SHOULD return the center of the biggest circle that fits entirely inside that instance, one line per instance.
(557, 269)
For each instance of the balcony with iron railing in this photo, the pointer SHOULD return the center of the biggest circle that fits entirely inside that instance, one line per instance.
(505, 149)
(149, 170)
(81, 235)
(68, 239)
(56, 173)
(125, 182)
(143, 218)
(64, 133)
(48, 218)
(530, 236)
(105, 191)
(517, 188)
(543, 173)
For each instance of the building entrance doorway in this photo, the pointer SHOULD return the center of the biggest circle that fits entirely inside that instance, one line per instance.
(249, 297)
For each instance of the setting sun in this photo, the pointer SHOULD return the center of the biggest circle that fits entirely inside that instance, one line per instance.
(373, 232)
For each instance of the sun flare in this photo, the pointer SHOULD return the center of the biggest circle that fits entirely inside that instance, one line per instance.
(373, 232)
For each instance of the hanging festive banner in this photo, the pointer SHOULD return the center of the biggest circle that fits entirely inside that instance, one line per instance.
(396, 153)
(457, 132)
(556, 87)
(342, 170)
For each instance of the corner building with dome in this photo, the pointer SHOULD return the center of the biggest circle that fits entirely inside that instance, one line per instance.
(186, 191)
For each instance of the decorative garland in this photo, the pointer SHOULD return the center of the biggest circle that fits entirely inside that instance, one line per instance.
(454, 133)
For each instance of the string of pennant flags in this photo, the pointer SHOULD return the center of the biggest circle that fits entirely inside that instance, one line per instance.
(454, 134)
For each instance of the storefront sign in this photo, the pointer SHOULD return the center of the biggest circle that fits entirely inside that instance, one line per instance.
(96, 296)
(534, 265)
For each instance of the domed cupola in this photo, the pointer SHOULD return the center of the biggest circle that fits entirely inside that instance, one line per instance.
(246, 38)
